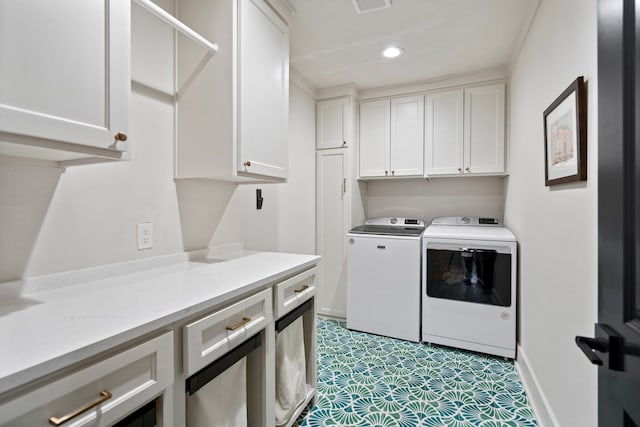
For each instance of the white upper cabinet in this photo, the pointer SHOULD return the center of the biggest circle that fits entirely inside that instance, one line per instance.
(484, 131)
(407, 136)
(333, 121)
(233, 107)
(264, 90)
(391, 137)
(375, 138)
(444, 133)
(65, 82)
(465, 132)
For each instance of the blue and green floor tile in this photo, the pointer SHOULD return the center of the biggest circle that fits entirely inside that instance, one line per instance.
(368, 380)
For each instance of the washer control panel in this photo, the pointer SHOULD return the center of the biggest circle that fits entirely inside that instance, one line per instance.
(395, 222)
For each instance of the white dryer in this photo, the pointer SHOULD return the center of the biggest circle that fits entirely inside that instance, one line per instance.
(469, 285)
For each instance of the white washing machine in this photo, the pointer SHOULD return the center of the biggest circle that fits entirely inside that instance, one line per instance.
(469, 285)
(383, 277)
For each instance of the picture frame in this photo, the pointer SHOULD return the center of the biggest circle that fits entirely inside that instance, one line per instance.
(565, 136)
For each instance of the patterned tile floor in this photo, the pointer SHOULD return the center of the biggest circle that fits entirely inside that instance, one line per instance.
(367, 380)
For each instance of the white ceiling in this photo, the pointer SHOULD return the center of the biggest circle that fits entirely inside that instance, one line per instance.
(332, 44)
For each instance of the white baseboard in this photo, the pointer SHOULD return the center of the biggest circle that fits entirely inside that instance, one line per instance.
(329, 314)
(537, 399)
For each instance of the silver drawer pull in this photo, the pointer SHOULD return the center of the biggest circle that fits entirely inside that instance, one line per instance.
(303, 288)
(244, 321)
(104, 396)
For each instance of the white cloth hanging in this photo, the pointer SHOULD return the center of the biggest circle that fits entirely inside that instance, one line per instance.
(291, 371)
(223, 401)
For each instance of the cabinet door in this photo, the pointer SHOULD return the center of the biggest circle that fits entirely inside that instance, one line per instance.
(375, 138)
(65, 76)
(407, 136)
(484, 129)
(444, 133)
(263, 91)
(332, 123)
(332, 227)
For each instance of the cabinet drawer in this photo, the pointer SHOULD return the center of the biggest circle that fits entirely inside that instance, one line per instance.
(294, 291)
(212, 336)
(131, 379)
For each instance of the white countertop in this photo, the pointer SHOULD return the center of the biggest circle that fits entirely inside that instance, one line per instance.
(45, 331)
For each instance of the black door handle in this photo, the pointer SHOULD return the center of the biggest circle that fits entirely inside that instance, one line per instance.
(606, 340)
(588, 345)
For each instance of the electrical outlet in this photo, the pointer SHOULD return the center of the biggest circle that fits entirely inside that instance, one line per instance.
(145, 235)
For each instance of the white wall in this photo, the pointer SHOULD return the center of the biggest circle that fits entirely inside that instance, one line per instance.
(287, 220)
(297, 218)
(556, 227)
(472, 196)
(53, 221)
(88, 217)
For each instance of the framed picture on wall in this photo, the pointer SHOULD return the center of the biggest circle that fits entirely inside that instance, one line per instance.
(565, 136)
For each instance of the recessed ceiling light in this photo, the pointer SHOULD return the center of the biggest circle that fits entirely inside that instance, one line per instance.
(392, 52)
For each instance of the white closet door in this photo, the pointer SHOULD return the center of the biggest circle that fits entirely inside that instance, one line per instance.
(65, 71)
(444, 133)
(375, 138)
(484, 129)
(331, 231)
(407, 136)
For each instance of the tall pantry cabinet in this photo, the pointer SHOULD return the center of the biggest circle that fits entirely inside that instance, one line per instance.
(340, 203)
(232, 107)
(332, 226)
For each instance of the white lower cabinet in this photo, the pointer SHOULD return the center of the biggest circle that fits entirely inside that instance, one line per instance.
(101, 393)
(215, 367)
(243, 367)
(207, 339)
(230, 353)
(295, 349)
(292, 292)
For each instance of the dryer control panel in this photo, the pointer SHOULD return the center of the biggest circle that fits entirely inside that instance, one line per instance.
(468, 220)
